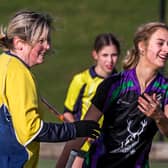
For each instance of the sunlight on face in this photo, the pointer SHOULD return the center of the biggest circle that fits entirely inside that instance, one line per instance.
(157, 49)
(38, 51)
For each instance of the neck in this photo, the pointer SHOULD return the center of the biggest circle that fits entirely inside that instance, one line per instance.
(101, 73)
(145, 76)
(20, 55)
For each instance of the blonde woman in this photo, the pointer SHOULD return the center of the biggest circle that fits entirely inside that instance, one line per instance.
(25, 42)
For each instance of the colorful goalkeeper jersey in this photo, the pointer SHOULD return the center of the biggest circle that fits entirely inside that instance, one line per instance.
(127, 132)
(81, 90)
(20, 122)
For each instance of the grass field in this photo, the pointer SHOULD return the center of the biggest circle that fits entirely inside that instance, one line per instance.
(77, 23)
(51, 164)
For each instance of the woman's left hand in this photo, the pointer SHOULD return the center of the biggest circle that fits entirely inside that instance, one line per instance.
(150, 105)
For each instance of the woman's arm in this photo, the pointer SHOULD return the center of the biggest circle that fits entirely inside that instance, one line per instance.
(53, 132)
(162, 121)
(94, 114)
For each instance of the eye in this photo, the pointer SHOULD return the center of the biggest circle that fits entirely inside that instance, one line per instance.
(114, 55)
(105, 55)
(160, 43)
(41, 41)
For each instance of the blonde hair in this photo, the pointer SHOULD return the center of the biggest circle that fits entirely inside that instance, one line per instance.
(27, 25)
(143, 34)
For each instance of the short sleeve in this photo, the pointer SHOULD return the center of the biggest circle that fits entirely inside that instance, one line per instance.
(73, 93)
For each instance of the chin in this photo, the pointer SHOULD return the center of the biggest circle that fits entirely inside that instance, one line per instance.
(40, 61)
(110, 70)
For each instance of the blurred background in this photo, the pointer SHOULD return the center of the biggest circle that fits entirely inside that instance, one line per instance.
(76, 25)
(77, 22)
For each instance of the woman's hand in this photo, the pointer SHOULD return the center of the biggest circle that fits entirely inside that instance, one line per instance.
(150, 106)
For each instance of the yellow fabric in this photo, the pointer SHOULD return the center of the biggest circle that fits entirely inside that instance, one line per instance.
(20, 96)
(91, 83)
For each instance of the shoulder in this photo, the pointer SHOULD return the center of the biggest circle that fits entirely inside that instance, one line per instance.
(123, 75)
(117, 79)
(161, 81)
(12, 65)
(17, 71)
(82, 76)
(16, 67)
(163, 77)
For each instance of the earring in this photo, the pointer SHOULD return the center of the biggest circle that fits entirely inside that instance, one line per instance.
(142, 52)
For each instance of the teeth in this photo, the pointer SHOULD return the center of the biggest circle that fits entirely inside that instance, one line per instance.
(162, 56)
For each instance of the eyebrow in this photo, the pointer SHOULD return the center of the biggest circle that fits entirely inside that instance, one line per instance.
(160, 39)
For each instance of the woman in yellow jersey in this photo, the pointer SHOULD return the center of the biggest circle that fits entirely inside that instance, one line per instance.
(83, 87)
(25, 42)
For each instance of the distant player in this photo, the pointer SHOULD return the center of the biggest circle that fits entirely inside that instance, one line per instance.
(25, 42)
(106, 51)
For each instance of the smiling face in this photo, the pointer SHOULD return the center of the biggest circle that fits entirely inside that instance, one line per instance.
(106, 60)
(28, 35)
(37, 51)
(156, 52)
(32, 54)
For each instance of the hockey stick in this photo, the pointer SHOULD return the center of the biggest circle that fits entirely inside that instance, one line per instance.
(53, 109)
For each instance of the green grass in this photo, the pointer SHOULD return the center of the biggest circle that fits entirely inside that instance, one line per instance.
(52, 163)
(47, 164)
(77, 23)
(159, 164)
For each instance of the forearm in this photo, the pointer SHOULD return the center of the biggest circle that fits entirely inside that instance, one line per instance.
(162, 123)
(52, 132)
(93, 113)
(77, 143)
(73, 144)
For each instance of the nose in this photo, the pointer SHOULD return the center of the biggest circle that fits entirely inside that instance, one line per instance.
(111, 58)
(166, 46)
(47, 45)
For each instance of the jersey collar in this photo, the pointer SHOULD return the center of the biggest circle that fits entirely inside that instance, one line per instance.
(10, 54)
(94, 74)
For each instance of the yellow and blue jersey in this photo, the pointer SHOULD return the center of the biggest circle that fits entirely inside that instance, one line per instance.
(19, 117)
(80, 92)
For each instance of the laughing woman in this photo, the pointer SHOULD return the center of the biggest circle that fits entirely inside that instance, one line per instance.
(134, 102)
(25, 42)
